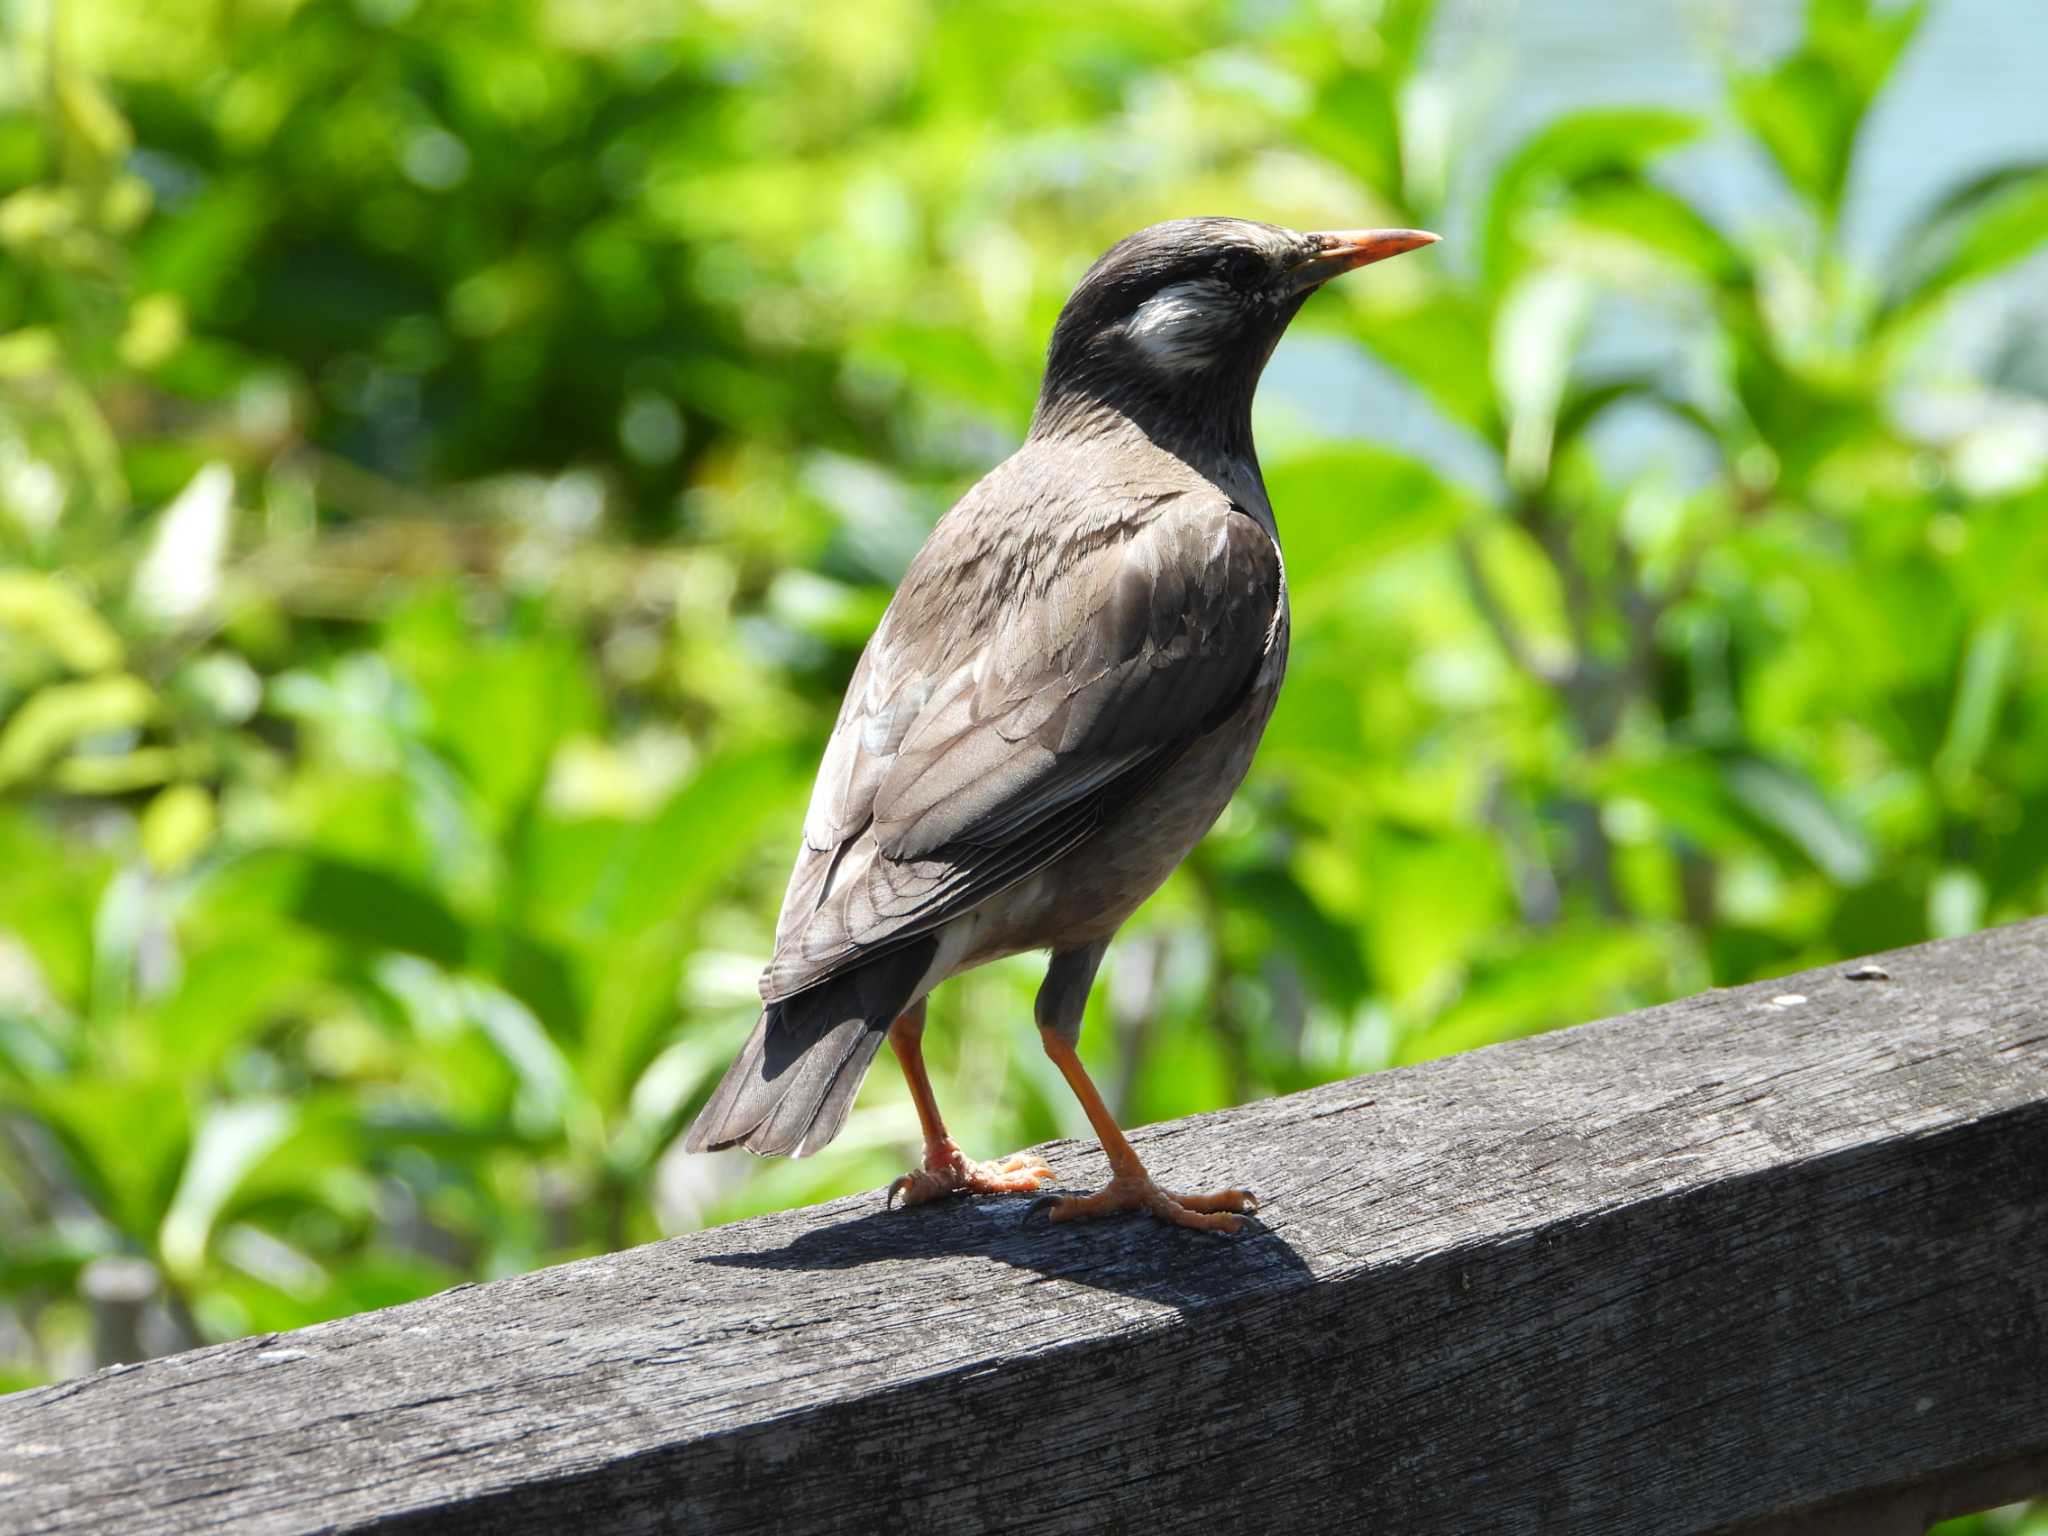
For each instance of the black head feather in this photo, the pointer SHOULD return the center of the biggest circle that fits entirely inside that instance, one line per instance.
(1172, 327)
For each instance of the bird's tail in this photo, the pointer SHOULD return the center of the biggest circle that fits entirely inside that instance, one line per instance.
(789, 1091)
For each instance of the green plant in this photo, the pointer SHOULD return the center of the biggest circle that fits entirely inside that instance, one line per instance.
(451, 457)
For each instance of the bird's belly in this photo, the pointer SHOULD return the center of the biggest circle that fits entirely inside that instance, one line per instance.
(1088, 894)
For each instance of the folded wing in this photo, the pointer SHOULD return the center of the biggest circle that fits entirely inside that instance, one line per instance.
(1012, 695)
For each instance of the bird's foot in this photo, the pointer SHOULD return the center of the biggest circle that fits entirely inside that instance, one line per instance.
(1223, 1211)
(948, 1171)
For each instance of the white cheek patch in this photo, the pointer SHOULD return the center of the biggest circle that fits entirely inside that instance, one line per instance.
(1182, 327)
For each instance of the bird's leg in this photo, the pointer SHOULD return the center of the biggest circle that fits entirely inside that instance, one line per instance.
(1130, 1187)
(947, 1170)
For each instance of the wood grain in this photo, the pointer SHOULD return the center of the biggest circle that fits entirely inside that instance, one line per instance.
(1732, 1263)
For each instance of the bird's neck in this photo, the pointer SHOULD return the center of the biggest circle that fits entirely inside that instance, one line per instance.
(1206, 425)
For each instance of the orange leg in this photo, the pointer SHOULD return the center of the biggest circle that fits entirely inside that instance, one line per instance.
(947, 1170)
(1130, 1187)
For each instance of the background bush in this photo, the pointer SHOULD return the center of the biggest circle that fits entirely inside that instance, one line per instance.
(451, 455)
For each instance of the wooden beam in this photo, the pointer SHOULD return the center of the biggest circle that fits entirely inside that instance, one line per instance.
(1773, 1258)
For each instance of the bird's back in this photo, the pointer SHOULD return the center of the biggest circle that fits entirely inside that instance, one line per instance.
(1074, 625)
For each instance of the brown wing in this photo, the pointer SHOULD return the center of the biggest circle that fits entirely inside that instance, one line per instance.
(1033, 672)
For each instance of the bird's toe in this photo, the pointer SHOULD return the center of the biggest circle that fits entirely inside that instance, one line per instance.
(1181, 1214)
(1240, 1201)
(1029, 1164)
(1224, 1211)
(1020, 1173)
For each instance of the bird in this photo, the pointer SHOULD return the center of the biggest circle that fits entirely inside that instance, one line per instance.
(1061, 698)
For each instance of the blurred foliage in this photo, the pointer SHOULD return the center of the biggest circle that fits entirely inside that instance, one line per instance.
(450, 458)
(2013, 1520)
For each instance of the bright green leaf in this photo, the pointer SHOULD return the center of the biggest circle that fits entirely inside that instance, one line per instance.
(1585, 149)
(48, 610)
(177, 827)
(63, 714)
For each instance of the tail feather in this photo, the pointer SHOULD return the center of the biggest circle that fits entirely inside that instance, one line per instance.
(789, 1090)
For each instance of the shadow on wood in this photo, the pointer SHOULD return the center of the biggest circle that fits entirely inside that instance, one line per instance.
(1167, 1265)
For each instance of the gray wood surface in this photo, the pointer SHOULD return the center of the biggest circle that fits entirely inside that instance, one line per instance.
(1726, 1264)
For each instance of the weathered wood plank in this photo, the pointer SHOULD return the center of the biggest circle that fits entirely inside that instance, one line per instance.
(1718, 1265)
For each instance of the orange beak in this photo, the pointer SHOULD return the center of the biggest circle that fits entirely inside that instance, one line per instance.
(1338, 251)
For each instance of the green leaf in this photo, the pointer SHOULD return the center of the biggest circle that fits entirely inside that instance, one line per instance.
(445, 1005)
(28, 1047)
(707, 827)
(1728, 802)
(231, 1140)
(1792, 803)
(48, 902)
(1327, 950)
(661, 1096)
(1805, 116)
(1433, 898)
(547, 1086)
(177, 827)
(1404, 27)
(326, 1164)
(385, 1280)
(62, 714)
(1808, 109)
(1585, 403)
(373, 909)
(1659, 222)
(46, 609)
(1580, 151)
(92, 126)
(1342, 509)
(657, 881)
(1561, 977)
(499, 707)
(1436, 340)
(1862, 39)
(362, 906)
(1536, 338)
(198, 253)
(231, 989)
(1987, 673)
(949, 362)
(1356, 122)
(1983, 227)
(124, 1139)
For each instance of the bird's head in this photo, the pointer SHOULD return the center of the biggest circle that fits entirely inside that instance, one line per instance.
(1180, 318)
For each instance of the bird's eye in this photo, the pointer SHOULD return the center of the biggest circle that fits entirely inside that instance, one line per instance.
(1243, 268)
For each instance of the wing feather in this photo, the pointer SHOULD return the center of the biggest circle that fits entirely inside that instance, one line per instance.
(1033, 673)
